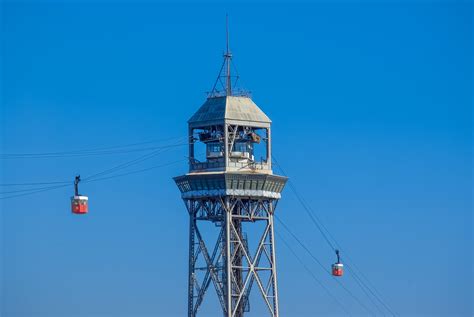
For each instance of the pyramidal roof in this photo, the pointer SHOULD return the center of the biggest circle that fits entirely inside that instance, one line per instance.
(231, 109)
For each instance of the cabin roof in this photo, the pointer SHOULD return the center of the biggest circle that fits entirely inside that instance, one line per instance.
(231, 109)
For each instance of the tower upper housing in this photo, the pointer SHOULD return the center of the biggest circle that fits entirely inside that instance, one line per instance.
(230, 151)
(243, 124)
(230, 146)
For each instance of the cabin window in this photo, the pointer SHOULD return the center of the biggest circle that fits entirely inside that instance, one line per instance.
(242, 147)
(214, 149)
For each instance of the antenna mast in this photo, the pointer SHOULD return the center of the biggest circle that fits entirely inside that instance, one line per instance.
(224, 79)
(228, 57)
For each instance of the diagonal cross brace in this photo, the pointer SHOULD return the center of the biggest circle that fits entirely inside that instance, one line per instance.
(253, 274)
(208, 276)
(210, 265)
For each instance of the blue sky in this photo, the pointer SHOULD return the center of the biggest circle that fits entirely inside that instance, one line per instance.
(372, 120)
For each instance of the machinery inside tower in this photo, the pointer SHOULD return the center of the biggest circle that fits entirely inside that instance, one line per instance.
(244, 144)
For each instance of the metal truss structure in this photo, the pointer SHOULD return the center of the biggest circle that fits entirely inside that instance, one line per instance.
(235, 194)
(230, 264)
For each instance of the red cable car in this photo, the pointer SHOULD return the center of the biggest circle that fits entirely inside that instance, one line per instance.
(79, 203)
(338, 267)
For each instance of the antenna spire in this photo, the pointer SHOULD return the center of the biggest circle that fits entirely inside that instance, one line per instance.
(228, 57)
(225, 77)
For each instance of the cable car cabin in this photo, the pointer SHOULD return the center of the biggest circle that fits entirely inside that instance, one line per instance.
(79, 205)
(337, 269)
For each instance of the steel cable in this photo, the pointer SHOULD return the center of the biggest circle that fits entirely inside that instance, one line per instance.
(34, 184)
(328, 237)
(118, 149)
(323, 266)
(280, 237)
(94, 177)
(38, 190)
(132, 162)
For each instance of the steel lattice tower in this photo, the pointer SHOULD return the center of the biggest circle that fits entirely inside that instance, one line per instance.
(235, 193)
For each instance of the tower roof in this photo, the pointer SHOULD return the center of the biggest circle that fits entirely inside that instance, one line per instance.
(231, 109)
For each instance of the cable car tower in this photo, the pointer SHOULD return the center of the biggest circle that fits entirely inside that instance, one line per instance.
(231, 194)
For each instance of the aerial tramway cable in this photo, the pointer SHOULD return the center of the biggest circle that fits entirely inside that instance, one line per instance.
(158, 150)
(92, 180)
(375, 293)
(94, 177)
(96, 151)
(359, 283)
(310, 272)
(33, 184)
(335, 245)
(38, 190)
(43, 189)
(323, 266)
(137, 171)
(134, 161)
(314, 218)
(25, 190)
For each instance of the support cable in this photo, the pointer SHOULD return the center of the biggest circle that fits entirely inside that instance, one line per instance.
(316, 221)
(105, 172)
(29, 189)
(136, 171)
(96, 151)
(323, 266)
(328, 237)
(308, 270)
(33, 184)
(43, 189)
(314, 218)
(92, 178)
(360, 284)
(375, 293)
(40, 190)
(133, 162)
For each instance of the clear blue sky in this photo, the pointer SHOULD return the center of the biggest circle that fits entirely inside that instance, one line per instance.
(371, 105)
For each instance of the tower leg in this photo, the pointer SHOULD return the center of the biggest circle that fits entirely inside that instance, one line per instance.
(237, 265)
(192, 229)
(228, 262)
(232, 266)
(274, 270)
